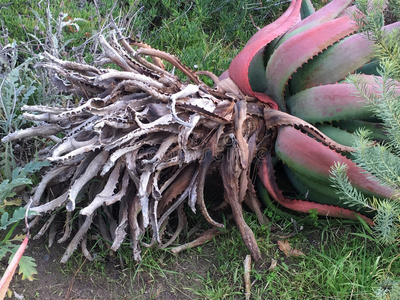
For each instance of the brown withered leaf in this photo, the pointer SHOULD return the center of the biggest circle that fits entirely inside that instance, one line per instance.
(287, 249)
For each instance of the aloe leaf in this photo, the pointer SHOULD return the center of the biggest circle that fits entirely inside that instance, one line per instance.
(326, 13)
(337, 134)
(256, 75)
(241, 68)
(296, 51)
(332, 102)
(336, 62)
(370, 68)
(307, 156)
(317, 191)
(313, 190)
(376, 129)
(267, 177)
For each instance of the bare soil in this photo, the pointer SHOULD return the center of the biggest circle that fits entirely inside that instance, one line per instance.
(82, 280)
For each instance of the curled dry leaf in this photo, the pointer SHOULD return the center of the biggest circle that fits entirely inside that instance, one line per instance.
(287, 249)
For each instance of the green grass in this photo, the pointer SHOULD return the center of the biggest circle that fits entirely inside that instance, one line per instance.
(23, 18)
(336, 265)
(207, 33)
(339, 263)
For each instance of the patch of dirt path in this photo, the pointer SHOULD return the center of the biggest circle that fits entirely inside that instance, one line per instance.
(81, 281)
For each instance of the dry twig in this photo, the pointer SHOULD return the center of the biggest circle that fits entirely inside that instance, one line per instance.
(246, 276)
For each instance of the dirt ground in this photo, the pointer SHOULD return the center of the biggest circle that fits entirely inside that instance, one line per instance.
(82, 281)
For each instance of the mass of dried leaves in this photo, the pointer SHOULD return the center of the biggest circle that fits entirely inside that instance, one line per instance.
(139, 145)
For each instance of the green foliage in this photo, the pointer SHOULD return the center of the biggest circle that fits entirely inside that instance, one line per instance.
(337, 264)
(29, 169)
(25, 19)
(27, 267)
(394, 9)
(205, 33)
(9, 217)
(5, 220)
(18, 84)
(378, 160)
(387, 221)
(348, 193)
(387, 46)
(19, 178)
(372, 19)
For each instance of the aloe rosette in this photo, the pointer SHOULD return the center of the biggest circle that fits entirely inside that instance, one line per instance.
(298, 67)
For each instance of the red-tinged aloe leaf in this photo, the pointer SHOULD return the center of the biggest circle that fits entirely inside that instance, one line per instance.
(335, 102)
(331, 102)
(267, 177)
(334, 64)
(307, 156)
(257, 79)
(296, 51)
(315, 190)
(266, 99)
(325, 14)
(372, 80)
(242, 68)
(9, 273)
(276, 28)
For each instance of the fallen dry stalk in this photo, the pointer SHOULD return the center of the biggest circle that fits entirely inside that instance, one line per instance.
(204, 238)
(246, 277)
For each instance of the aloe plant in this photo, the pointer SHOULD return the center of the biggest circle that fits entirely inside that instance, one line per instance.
(304, 69)
(141, 142)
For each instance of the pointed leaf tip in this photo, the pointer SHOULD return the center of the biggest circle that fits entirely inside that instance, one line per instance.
(240, 67)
